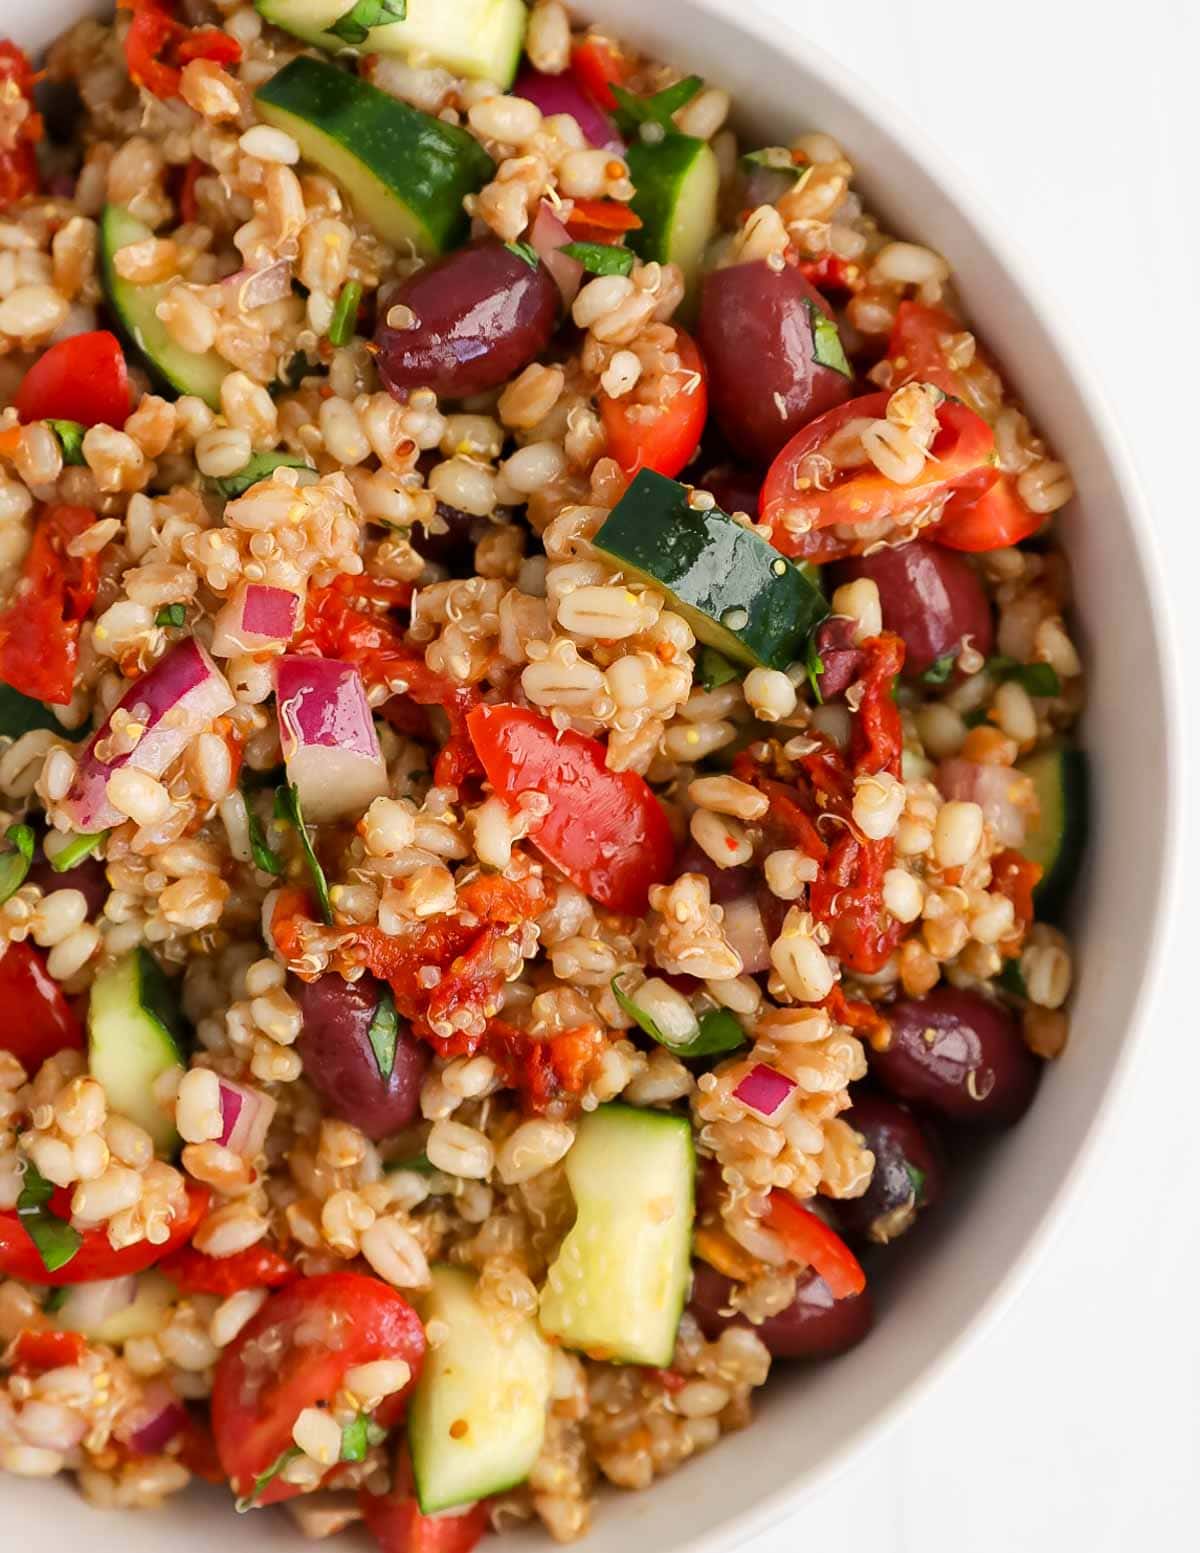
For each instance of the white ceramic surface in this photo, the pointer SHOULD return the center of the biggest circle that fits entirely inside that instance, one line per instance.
(973, 1257)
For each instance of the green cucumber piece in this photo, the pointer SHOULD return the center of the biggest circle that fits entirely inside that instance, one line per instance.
(135, 1033)
(675, 182)
(184, 372)
(477, 38)
(478, 1415)
(144, 1316)
(617, 1287)
(735, 590)
(405, 172)
(1057, 837)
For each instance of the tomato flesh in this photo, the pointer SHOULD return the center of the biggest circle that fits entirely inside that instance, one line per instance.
(258, 1267)
(605, 829)
(665, 436)
(39, 631)
(38, 1020)
(295, 1354)
(399, 1527)
(95, 1258)
(597, 67)
(157, 47)
(18, 163)
(810, 1240)
(993, 521)
(81, 379)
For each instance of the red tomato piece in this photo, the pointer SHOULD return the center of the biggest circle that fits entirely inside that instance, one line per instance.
(38, 1020)
(294, 1354)
(39, 631)
(993, 521)
(919, 348)
(258, 1267)
(661, 437)
(39, 1351)
(95, 1258)
(157, 47)
(605, 829)
(600, 221)
(395, 1520)
(810, 1240)
(81, 379)
(18, 164)
(597, 67)
(801, 510)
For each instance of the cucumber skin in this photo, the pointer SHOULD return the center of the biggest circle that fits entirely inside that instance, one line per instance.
(424, 166)
(148, 994)
(1052, 894)
(663, 174)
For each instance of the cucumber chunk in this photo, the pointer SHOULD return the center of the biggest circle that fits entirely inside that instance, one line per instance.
(135, 1033)
(735, 590)
(477, 38)
(143, 1316)
(179, 370)
(617, 1287)
(1057, 837)
(405, 172)
(478, 1415)
(675, 182)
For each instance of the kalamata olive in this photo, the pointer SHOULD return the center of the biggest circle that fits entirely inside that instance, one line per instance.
(733, 488)
(930, 596)
(479, 316)
(340, 1063)
(959, 1055)
(88, 877)
(453, 547)
(907, 1177)
(841, 660)
(814, 1325)
(757, 337)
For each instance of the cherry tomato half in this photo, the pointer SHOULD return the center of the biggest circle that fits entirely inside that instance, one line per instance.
(39, 631)
(395, 1520)
(959, 461)
(95, 1258)
(921, 350)
(38, 1021)
(993, 521)
(811, 1241)
(294, 1354)
(661, 437)
(606, 830)
(81, 379)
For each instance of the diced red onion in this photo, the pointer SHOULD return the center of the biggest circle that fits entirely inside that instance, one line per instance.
(245, 1117)
(89, 1305)
(1001, 792)
(255, 288)
(179, 698)
(744, 930)
(764, 1089)
(328, 736)
(559, 94)
(255, 619)
(157, 1420)
(548, 235)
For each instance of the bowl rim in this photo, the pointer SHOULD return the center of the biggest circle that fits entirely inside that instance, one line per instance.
(894, 123)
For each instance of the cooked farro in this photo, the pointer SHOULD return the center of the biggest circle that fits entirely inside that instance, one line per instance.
(432, 830)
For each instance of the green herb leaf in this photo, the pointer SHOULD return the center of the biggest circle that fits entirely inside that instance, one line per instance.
(940, 670)
(383, 1032)
(715, 669)
(814, 665)
(634, 110)
(354, 25)
(55, 1239)
(828, 350)
(345, 314)
(525, 251)
(250, 1500)
(76, 850)
(418, 1162)
(976, 718)
(296, 367)
(600, 258)
(171, 615)
(916, 1179)
(22, 714)
(55, 1299)
(14, 865)
(1037, 679)
(716, 1031)
(354, 1439)
(70, 436)
(777, 159)
(287, 807)
(1011, 980)
(260, 467)
(264, 856)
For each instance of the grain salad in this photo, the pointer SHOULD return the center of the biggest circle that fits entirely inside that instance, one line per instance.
(537, 785)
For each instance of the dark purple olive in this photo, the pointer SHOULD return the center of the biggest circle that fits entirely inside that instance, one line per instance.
(930, 596)
(733, 488)
(455, 547)
(339, 1061)
(959, 1055)
(841, 660)
(88, 877)
(724, 884)
(478, 316)
(907, 1177)
(814, 1325)
(757, 334)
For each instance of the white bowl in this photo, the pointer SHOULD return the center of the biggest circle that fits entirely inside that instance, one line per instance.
(974, 1253)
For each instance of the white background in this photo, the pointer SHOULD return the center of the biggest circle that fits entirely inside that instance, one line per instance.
(1075, 1422)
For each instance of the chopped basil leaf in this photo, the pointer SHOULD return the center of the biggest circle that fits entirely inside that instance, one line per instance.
(299, 366)
(634, 110)
(940, 670)
(265, 857)
(1038, 679)
(715, 669)
(717, 1031)
(383, 1032)
(70, 436)
(55, 1299)
(828, 350)
(76, 850)
(777, 159)
(22, 714)
(345, 314)
(287, 807)
(248, 1501)
(642, 1020)
(418, 1162)
(354, 25)
(600, 258)
(1011, 980)
(260, 467)
(55, 1239)
(975, 719)
(354, 1439)
(916, 1179)
(814, 666)
(525, 251)
(14, 865)
(171, 615)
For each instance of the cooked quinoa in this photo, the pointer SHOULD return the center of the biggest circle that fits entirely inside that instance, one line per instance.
(535, 760)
